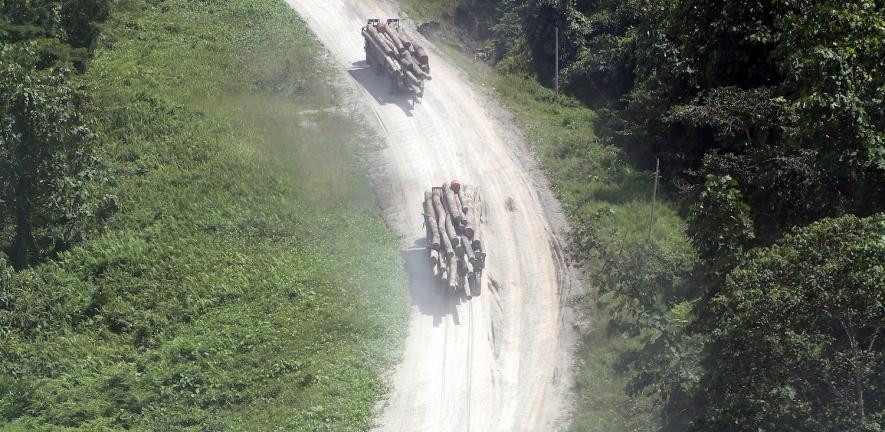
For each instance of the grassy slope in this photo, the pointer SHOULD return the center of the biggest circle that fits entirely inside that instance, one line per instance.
(247, 281)
(604, 196)
(591, 179)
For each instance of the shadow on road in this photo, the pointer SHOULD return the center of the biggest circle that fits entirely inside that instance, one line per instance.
(427, 293)
(379, 87)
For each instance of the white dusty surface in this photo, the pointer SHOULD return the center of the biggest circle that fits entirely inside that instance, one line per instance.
(498, 362)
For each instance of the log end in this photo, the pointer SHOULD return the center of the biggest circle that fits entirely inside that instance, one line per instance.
(469, 231)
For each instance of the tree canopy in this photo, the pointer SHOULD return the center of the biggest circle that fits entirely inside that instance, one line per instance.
(798, 341)
(768, 118)
(47, 147)
(46, 161)
(783, 96)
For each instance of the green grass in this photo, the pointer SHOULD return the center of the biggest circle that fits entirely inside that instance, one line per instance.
(429, 9)
(247, 281)
(606, 199)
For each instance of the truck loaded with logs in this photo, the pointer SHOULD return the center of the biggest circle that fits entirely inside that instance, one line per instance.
(393, 53)
(457, 255)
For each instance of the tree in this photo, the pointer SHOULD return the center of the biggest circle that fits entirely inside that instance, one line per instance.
(798, 344)
(79, 18)
(46, 160)
(720, 224)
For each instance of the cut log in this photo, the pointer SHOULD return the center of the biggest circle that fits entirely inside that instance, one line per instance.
(412, 78)
(480, 261)
(410, 63)
(470, 208)
(381, 41)
(428, 222)
(394, 35)
(469, 229)
(437, 193)
(454, 238)
(443, 275)
(464, 284)
(434, 262)
(462, 198)
(392, 64)
(468, 249)
(451, 206)
(431, 221)
(373, 45)
(445, 243)
(381, 31)
(466, 266)
(422, 57)
(442, 260)
(459, 260)
(469, 198)
(442, 218)
(405, 37)
(421, 54)
(469, 280)
(389, 39)
(406, 60)
(460, 206)
(453, 274)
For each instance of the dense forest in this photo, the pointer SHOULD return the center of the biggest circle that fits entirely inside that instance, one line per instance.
(768, 119)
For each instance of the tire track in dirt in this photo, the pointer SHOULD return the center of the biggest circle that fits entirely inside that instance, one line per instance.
(492, 363)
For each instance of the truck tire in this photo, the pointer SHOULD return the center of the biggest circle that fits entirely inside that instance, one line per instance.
(379, 69)
(368, 57)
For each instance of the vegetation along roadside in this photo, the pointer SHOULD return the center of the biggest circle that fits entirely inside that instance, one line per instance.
(755, 298)
(202, 254)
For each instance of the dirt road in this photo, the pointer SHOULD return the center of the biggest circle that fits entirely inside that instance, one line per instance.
(499, 362)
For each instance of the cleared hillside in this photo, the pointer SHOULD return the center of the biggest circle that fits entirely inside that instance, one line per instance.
(246, 280)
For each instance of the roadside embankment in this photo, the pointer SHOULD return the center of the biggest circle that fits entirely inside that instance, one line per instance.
(247, 281)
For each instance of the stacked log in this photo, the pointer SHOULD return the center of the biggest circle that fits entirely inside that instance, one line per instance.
(379, 40)
(394, 37)
(395, 50)
(456, 253)
(429, 221)
(417, 51)
(410, 64)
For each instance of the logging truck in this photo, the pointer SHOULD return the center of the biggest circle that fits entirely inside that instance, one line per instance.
(393, 53)
(457, 255)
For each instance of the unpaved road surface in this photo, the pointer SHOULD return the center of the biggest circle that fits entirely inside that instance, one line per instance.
(498, 362)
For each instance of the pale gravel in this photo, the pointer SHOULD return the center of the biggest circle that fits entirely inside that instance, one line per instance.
(501, 361)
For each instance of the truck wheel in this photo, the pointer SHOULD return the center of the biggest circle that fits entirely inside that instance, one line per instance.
(394, 85)
(368, 58)
(379, 69)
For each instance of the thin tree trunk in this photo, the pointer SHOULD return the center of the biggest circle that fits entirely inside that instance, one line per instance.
(23, 244)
